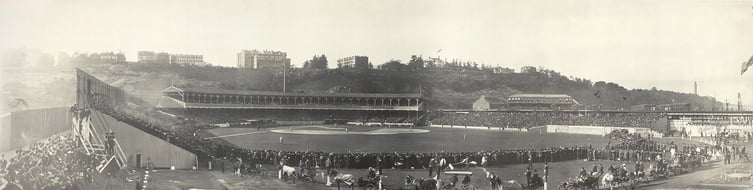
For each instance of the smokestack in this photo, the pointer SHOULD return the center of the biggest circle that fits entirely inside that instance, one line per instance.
(695, 88)
(739, 102)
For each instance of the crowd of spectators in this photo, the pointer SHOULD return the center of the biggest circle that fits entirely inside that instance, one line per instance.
(55, 163)
(720, 122)
(180, 138)
(413, 160)
(625, 146)
(389, 119)
(239, 116)
(634, 147)
(534, 119)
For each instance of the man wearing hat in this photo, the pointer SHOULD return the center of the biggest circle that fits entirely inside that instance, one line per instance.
(441, 165)
(372, 174)
(623, 170)
(432, 164)
(528, 176)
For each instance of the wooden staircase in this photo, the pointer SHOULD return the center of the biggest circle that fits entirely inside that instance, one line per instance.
(94, 142)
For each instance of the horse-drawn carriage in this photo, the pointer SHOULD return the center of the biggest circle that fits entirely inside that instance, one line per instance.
(291, 173)
(455, 183)
(369, 183)
(373, 182)
(590, 182)
(614, 178)
(420, 183)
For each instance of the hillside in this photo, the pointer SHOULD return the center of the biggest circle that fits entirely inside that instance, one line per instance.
(448, 88)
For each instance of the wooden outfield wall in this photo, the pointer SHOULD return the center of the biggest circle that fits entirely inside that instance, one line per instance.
(21, 128)
(5, 133)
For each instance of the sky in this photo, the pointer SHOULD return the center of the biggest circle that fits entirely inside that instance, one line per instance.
(667, 44)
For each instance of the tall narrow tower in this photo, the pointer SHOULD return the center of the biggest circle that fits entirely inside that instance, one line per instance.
(695, 88)
(739, 102)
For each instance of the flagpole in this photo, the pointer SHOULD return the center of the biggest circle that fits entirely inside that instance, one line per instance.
(284, 73)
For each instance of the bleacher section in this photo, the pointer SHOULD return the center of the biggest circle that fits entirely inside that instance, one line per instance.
(283, 117)
(528, 119)
(710, 123)
(145, 146)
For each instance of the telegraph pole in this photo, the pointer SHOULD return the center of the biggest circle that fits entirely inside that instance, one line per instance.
(284, 73)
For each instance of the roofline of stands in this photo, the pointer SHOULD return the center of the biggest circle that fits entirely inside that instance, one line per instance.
(540, 96)
(274, 93)
(296, 107)
(184, 105)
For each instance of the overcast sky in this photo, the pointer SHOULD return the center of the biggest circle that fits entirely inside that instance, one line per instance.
(666, 44)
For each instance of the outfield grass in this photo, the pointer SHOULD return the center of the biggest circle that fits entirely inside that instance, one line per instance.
(439, 139)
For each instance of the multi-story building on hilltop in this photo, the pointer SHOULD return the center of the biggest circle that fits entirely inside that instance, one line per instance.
(263, 59)
(166, 58)
(352, 61)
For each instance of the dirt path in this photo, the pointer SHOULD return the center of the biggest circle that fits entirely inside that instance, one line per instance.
(689, 179)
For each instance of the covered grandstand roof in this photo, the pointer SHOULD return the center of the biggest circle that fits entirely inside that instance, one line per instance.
(540, 96)
(273, 93)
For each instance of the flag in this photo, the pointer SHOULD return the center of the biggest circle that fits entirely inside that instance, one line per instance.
(746, 65)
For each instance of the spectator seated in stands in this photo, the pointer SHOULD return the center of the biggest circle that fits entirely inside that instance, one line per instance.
(56, 163)
(533, 119)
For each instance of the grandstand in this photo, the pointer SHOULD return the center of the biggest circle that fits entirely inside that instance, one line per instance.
(541, 102)
(710, 123)
(234, 106)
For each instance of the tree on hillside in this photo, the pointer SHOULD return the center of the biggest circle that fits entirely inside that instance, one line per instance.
(528, 69)
(393, 65)
(415, 63)
(317, 62)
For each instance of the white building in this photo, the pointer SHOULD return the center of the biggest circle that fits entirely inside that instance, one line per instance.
(263, 59)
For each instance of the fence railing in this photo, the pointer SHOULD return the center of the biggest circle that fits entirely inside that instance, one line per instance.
(118, 151)
(737, 175)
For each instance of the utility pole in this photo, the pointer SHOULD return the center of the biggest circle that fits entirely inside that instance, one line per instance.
(284, 73)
